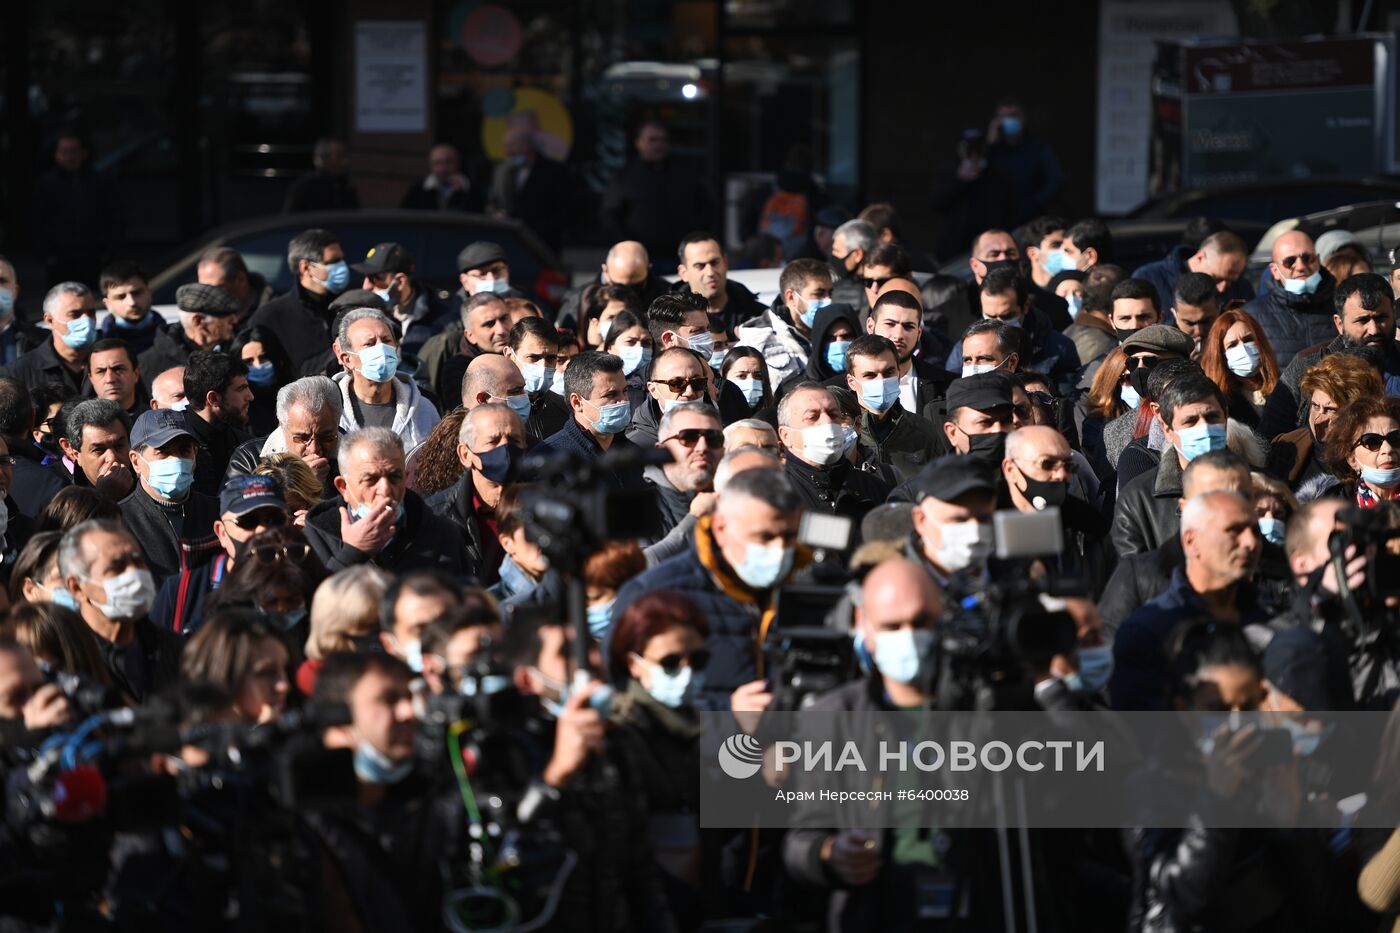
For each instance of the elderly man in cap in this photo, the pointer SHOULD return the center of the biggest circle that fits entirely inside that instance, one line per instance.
(1145, 349)
(247, 505)
(207, 316)
(978, 412)
(302, 318)
(419, 310)
(483, 267)
(70, 310)
(954, 498)
(173, 523)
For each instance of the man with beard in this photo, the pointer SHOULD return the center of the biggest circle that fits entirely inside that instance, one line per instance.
(216, 385)
(1364, 318)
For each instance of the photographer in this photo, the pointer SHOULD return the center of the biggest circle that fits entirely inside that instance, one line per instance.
(24, 696)
(740, 556)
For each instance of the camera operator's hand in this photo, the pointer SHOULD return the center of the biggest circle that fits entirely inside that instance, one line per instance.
(748, 703)
(703, 503)
(578, 734)
(853, 856)
(47, 708)
(1226, 764)
(372, 532)
(1355, 568)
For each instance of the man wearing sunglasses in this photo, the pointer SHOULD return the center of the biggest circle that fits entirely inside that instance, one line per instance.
(1035, 476)
(172, 520)
(1295, 307)
(885, 263)
(692, 433)
(677, 376)
(247, 505)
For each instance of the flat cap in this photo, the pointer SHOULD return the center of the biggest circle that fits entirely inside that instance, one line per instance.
(1160, 339)
(481, 253)
(158, 427)
(205, 299)
(385, 257)
(983, 392)
(954, 475)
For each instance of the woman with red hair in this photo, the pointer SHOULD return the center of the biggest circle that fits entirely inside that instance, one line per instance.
(1237, 357)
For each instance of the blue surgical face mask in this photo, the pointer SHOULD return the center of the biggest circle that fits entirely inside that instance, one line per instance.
(1008, 321)
(81, 334)
(1129, 395)
(491, 683)
(809, 317)
(180, 405)
(520, 404)
(413, 656)
(1272, 529)
(1095, 667)
(752, 389)
(717, 358)
(904, 654)
(1075, 303)
(500, 286)
(848, 438)
(557, 386)
(1011, 126)
(673, 690)
(122, 323)
(632, 357)
(7, 302)
(374, 767)
(702, 344)
(836, 355)
(171, 477)
(61, 597)
(337, 276)
(1200, 439)
(263, 374)
(1374, 476)
(1056, 261)
(879, 395)
(379, 362)
(599, 618)
(1303, 286)
(614, 418)
(361, 512)
(764, 566)
(286, 621)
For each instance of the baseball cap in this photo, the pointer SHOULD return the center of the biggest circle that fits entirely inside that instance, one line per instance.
(983, 392)
(954, 475)
(243, 494)
(158, 427)
(386, 257)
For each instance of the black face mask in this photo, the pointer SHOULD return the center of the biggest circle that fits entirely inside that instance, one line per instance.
(989, 448)
(1043, 494)
(1123, 334)
(995, 264)
(499, 463)
(1138, 380)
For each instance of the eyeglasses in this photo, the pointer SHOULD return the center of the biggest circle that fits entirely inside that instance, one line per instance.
(678, 384)
(1288, 262)
(296, 552)
(1140, 362)
(671, 664)
(877, 283)
(1372, 442)
(689, 437)
(1050, 464)
(267, 518)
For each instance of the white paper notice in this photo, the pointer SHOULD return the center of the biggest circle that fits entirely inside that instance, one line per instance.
(391, 77)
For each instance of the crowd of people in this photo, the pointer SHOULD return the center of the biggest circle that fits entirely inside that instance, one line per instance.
(332, 499)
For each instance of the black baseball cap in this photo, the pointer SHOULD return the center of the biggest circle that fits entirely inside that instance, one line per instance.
(954, 475)
(245, 494)
(984, 392)
(386, 257)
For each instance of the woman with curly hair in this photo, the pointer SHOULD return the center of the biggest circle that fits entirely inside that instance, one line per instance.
(1326, 388)
(434, 466)
(1363, 449)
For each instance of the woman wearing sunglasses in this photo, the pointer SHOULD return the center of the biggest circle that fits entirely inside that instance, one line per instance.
(656, 661)
(1237, 357)
(1364, 449)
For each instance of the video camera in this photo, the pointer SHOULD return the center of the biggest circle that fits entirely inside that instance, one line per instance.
(1371, 531)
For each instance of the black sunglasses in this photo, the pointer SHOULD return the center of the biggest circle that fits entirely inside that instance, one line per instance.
(267, 518)
(671, 664)
(1289, 261)
(1141, 362)
(1372, 442)
(296, 552)
(689, 437)
(873, 283)
(678, 384)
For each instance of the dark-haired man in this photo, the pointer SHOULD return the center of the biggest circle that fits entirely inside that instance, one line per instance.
(783, 333)
(216, 385)
(1222, 256)
(301, 318)
(704, 271)
(596, 391)
(36, 476)
(533, 346)
(96, 440)
(1195, 306)
(1087, 244)
(128, 299)
(898, 317)
(1006, 299)
(113, 374)
(1364, 317)
(896, 436)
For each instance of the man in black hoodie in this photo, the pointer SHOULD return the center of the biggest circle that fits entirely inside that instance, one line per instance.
(704, 270)
(833, 329)
(301, 318)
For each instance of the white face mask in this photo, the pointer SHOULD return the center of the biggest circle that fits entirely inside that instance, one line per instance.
(965, 545)
(130, 595)
(823, 444)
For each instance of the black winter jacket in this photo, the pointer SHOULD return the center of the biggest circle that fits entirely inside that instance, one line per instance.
(424, 541)
(1148, 511)
(1293, 322)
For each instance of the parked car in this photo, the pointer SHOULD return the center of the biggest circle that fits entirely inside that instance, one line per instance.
(1267, 202)
(434, 239)
(1352, 217)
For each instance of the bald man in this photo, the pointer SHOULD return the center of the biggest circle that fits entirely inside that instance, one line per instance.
(168, 389)
(1221, 540)
(628, 265)
(1295, 308)
(895, 623)
(493, 378)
